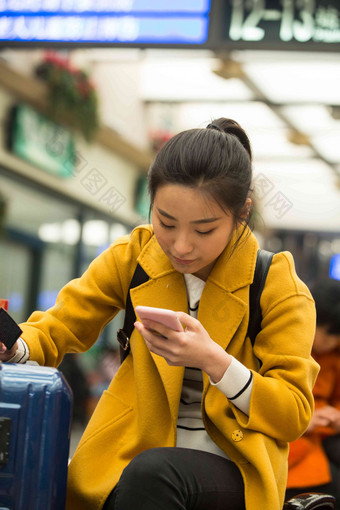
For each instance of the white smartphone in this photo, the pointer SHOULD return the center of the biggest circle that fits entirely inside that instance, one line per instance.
(167, 317)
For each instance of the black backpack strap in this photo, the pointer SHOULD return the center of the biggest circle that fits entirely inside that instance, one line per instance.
(263, 261)
(123, 335)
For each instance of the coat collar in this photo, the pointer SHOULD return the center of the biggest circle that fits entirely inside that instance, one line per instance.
(153, 259)
(221, 310)
(234, 268)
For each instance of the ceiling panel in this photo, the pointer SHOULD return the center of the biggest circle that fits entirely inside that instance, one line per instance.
(298, 82)
(187, 79)
(298, 196)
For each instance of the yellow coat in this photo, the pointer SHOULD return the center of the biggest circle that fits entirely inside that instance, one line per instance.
(139, 409)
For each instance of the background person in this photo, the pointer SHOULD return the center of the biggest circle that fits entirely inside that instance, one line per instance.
(314, 459)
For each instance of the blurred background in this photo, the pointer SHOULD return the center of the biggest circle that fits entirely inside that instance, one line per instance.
(89, 91)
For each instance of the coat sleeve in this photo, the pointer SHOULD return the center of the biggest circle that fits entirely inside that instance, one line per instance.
(85, 305)
(281, 403)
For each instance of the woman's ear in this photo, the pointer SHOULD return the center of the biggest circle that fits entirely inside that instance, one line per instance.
(246, 209)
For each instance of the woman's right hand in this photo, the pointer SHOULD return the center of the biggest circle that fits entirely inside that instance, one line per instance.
(6, 354)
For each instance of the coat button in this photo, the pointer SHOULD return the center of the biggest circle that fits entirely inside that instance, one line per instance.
(237, 435)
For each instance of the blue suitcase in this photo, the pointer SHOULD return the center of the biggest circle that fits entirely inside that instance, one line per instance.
(35, 424)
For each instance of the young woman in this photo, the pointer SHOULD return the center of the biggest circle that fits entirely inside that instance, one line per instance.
(200, 419)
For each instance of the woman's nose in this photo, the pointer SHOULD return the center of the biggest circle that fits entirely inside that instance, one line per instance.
(182, 246)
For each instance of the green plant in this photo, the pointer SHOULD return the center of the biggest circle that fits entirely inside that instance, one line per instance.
(72, 96)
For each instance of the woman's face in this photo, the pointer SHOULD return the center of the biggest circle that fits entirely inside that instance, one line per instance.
(324, 341)
(191, 228)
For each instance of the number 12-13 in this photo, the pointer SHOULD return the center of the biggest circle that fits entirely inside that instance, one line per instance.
(247, 14)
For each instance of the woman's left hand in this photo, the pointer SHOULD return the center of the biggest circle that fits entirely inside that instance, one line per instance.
(192, 347)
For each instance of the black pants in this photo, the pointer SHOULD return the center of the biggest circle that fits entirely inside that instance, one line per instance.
(178, 479)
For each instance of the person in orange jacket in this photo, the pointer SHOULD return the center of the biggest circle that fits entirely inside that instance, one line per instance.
(314, 458)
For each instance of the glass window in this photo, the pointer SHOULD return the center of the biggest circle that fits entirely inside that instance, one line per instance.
(56, 271)
(15, 269)
(46, 232)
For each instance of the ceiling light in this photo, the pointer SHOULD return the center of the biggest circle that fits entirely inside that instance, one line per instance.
(117, 230)
(297, 197)
(50, 232)
(187, 80)
(310, 118)
(302, 81)
(70, 231)
(95, 233)
(328, 145)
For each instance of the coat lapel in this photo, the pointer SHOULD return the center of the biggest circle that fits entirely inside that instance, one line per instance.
(165, 289)
(223, 305)
(221, 313)
(225, 298)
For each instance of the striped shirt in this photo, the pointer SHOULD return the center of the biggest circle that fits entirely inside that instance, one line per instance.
(236, 384)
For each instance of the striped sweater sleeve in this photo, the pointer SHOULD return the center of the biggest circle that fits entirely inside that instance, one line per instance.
(236, 384)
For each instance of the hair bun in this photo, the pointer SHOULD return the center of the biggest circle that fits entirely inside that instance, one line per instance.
(215, 126)
(232, 127)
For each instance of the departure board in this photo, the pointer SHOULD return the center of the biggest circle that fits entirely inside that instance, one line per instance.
(120, 22)
(311, 25)
(280, 24)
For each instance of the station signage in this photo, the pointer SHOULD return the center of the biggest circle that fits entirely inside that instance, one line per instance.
(119, 22)
(218, 25)
(41, 142)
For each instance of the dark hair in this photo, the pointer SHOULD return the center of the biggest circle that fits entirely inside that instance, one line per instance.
(326, 294)
(216, 159)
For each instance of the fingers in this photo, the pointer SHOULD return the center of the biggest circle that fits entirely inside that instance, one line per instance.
(326, 416)
(154, 342)
(189, 322)
(329, 412)
(154, 328)
(153, 332)
(6, 354)
(323, 421)
(186, 320)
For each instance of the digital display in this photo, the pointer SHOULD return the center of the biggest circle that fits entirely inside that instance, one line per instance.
(213, 24)
(102, 6)
(282, 23)
(130, 22)
(334, 267)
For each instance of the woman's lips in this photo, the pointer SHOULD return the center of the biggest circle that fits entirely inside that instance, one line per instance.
(184, 261)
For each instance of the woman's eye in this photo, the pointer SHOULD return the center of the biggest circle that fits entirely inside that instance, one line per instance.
(205, 233)
(165, 225)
